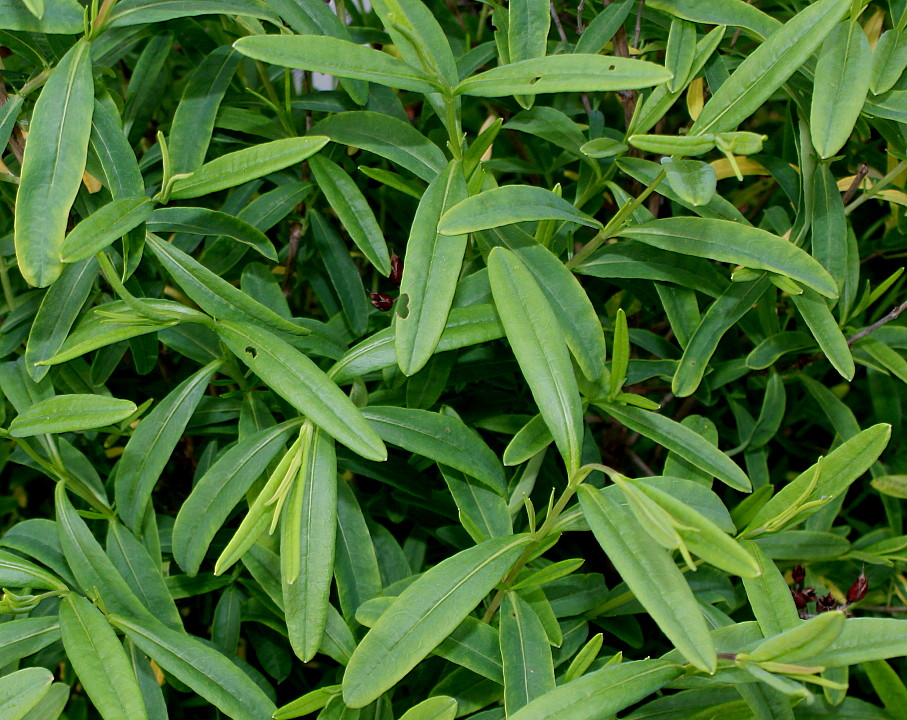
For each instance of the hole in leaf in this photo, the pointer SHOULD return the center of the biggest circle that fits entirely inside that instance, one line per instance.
(253, 353)
(611, 67)
(403, 306)
(535, 79)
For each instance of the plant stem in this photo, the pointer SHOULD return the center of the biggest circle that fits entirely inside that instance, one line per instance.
(877, 187)
(893, 315)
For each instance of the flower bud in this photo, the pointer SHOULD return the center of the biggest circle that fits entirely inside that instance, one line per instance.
(858, 590)
(396, 269)
(381, 301)
(798, 574)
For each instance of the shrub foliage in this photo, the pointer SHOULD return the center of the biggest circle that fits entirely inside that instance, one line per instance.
(454, 359)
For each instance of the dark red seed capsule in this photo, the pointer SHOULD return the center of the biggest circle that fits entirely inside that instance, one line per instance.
(800, 599)
(826, 603)
(798, 574)
(396, 269)
(858, 590)
(381, 301)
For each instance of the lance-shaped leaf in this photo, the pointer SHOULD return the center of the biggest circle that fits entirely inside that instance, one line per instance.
(768, 67)
(737, 300)
(387, 136)
(353, 209)
(26, 636)
(22, 690)
(203, 221)
(539, 346)
(99, 660)
(16, 571)
(214, 294)
(70, 413)
(508, 205)
(687, 443)
(602, 693)
(803, 641)
(60, 17)
(440, 707)
(334, 56)
(151, 445)
(863, 640)
(731, 242)
(220, 489)
(483, 512)
(464, 327)
(424, 614)
(299, 381)
(430, 273)
(443, 438)
(564, 73)
(103, 226)
(238, 167)
(140, 12)
(825, 330)
(59, 309)
(841, 83)
(528, 668)
(52, 168)
(575, 311)
(769, 595)
(736, 13)
(193, 121)
(841, 467)
(308, 533)
(356, 567)
(651, 575)
(202, 668)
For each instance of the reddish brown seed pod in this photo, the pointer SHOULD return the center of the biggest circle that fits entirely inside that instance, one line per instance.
(826, 603)
(798, 574)
(396, 269)
(858, 590)
(381, 301)
(800, 599)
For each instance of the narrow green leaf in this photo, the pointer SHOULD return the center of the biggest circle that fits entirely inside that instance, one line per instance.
(387, 136)
(26, 636)
(599, 32)
(424, 614)
(16, 572)
(103, 226)
(430, 273)
(841, 467)
(443, 438)
(888, 686)
(202, 668)
(70, 413)
(768, 67)
(769, 595)
(53, 165)
(214, 294)
(238, 167)
(353, 211)
(620, 352)
(651, 575)
(308, 703)
(891, 485)
(59, 309)
(21, 690)
(99, 660)
(193, 121)
(694, 181)
(677, 438)
(828, 230)
(203, 221)
(602, 693)
(735, 302)
(356, 566)
(528, 22)
(863, 640)
(140, 12)
(564, 73)
(152, 443)
(841, 83)
(299, 381)
(308, 536)
(531, 439)
(736, 13)
(730, 242)
(119, 168)
(528, 668)
(483, 512)
(465, 327)
(825, 330)
(440, 707)
(334, 56)
(538, 344)
(889, 58)
(508, 205)
(60, 17)
(803, 641)
(575, 312)
(680, 53)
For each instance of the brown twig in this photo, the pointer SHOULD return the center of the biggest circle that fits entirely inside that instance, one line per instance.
(893, 315)
(638, 27)
(855, 185)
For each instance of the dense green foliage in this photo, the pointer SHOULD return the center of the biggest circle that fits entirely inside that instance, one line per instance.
(547, 367)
